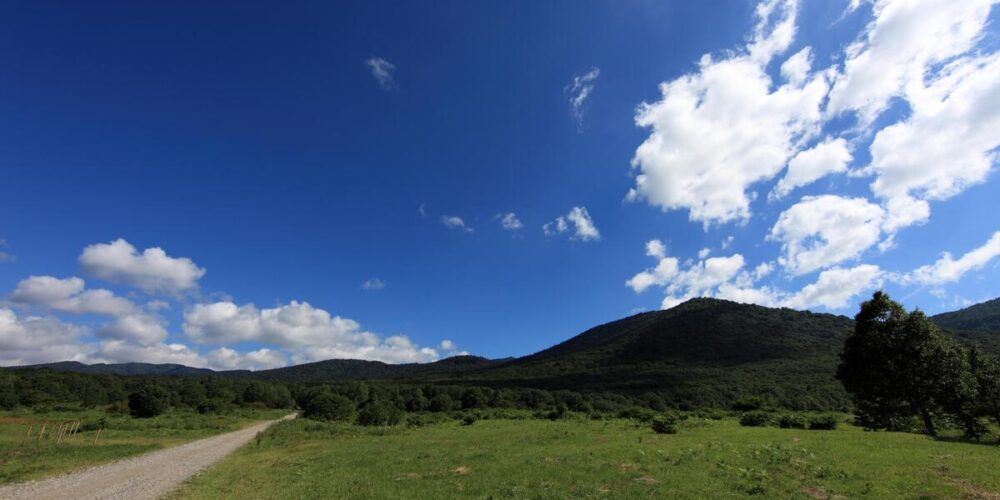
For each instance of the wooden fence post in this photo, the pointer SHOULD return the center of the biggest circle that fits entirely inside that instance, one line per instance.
(62, 432)
(98, 435)
(27, 435)
(42, 432)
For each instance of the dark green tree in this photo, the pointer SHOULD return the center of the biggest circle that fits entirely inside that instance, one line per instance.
(380, 413)
(149, 401)
(441, 402)
(897, 365)
(329, 406)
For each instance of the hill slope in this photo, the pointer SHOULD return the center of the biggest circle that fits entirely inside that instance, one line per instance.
(704, 351)
(977, 324)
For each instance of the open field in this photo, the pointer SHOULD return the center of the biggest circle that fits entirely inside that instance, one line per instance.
(588, 459)
(122, 436)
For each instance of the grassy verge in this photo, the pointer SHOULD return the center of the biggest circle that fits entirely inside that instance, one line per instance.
(587, 459)
(24, 459)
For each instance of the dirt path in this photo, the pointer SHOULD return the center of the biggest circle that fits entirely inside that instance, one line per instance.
(145, 476)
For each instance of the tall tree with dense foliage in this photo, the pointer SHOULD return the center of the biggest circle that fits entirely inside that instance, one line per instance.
(149, 401)
(897, 365)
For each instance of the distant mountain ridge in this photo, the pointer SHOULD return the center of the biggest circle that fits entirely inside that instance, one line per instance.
(126, 368)
(705, 351)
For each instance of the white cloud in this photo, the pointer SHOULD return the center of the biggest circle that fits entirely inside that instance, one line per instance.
(583, 226)
(383, 71)
(142, 329)
(835, 287)
(704, 252)
(225, 358)
(949, 270)
(807, 166)
(68, 295)
(309, 333)
(579, 91)
(948, 142)
(33, 339)
(821, 231)
(796, 68)
(903, 211)
(717, 132)
(902, 42)
(455, 222)
(510, 222)
(373, 284)
(656, 248)
(666, 269)
(152, 271)
(726, 278)
(698, 279)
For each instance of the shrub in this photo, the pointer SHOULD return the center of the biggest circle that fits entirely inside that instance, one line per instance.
(469, 419)
(380, 413)
(212, 406)
(749, 403)
(755, 419)
(441, 402)
(640, 414)
(147, 402)
(823, 423)
(558, 413)
(792, 421)
(327, 406)
(664, 424)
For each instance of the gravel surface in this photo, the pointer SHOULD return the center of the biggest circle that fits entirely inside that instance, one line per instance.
(145, 476)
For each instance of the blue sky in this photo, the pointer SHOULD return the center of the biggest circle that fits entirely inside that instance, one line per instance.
(260, 163)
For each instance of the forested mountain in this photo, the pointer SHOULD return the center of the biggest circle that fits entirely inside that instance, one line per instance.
(978, 324)
(983, 317)
(356, 369)
(701, 352)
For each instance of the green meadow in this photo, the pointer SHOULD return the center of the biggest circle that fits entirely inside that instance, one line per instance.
(580, 458)
(24, 458)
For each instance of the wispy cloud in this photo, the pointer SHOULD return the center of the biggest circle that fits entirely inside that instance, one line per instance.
(383, 71)
(5, 256)
(578, 91)
(373, 284)
(509, 221)
(455, 222)
(583, 226)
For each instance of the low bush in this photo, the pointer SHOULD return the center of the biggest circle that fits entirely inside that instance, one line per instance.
(664, 424)
(558, 413)
(380, 413)
(638, 413)
(823, 422)
(792, 421)
(755, 419)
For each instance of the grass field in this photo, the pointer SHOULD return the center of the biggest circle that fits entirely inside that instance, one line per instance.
(590, 459)
(24, 459)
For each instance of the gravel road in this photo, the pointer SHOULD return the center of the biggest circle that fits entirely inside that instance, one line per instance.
(145, 476)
